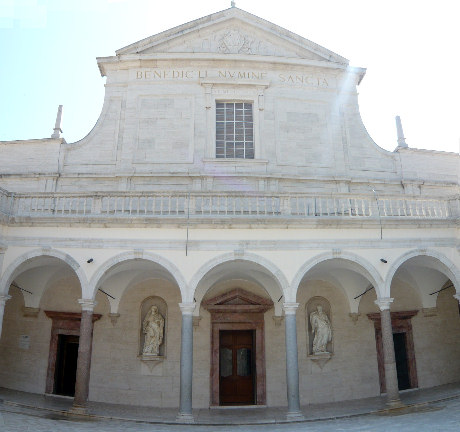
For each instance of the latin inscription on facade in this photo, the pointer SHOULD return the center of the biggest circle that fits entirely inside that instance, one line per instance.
(287, 78)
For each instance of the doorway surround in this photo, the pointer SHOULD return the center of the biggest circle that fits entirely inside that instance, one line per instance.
(64, 323)
(238, 310)
(400, 323)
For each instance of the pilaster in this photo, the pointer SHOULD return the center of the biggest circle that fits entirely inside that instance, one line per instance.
(3, 299)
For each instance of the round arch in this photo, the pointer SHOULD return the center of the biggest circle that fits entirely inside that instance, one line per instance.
(363, 267)
(11, 270)
(443, 265)
(270, 269)
(133, 255)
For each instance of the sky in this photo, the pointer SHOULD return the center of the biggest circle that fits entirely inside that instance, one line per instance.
(410, 48)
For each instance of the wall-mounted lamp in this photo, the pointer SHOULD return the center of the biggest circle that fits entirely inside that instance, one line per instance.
(383, 260)
(90, 261)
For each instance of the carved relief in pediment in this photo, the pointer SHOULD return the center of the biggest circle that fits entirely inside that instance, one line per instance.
(231, 41)
(234, 42)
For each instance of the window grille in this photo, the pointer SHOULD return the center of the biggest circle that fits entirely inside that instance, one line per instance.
(234, 130)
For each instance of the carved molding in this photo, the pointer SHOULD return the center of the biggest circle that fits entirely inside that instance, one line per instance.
(196, 321)
(68, 316)
(114, 318)
(395, 316)
(278, 320)
(354, 316)
(320, 359)
(430, 312)
(150, 358)
(30, 312)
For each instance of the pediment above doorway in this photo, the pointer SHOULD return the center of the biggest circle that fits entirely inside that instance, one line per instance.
(237, 301)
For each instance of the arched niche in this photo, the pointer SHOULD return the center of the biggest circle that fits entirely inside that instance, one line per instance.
(145, 310)
(318, 305)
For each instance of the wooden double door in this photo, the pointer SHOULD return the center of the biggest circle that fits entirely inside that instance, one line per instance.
(236, 367)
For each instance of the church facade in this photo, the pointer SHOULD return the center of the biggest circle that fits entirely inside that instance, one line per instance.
(227, 234)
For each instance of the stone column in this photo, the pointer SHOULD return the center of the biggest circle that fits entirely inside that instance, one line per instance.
(3, 299)
(391, 377)
(84, 356)
(457, 296)
(292, 365)
(186, 364)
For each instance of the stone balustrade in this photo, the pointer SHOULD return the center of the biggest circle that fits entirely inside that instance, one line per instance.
(222, 205)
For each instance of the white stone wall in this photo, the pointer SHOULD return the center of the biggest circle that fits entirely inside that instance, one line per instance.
(309, 136)
(117, 374)
(352, 371)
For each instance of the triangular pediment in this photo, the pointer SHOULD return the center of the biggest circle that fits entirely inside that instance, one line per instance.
(238, 300)
(232, 32)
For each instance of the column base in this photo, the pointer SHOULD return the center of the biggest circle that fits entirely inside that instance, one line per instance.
(185, 418)
(295, 416)
(78, 410)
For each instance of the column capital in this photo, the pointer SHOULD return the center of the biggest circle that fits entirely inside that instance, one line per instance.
(87, 304)
(457, 296)
(290, 308)
(187, 308)
(384, 303)
(4, 298)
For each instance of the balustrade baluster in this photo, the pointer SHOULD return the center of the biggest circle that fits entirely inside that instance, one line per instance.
(385, 207)
(227, 204)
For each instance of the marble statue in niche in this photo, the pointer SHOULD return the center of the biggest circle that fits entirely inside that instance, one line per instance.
(318, 317)
(321, 329)
(153, 329)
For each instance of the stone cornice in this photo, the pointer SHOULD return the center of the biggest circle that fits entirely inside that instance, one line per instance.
(128, 61)
(73, 316)
(230, 222)
(224, 245)
(425, 151)
(186, 173)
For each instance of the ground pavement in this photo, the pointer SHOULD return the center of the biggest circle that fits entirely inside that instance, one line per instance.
(432, 410)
